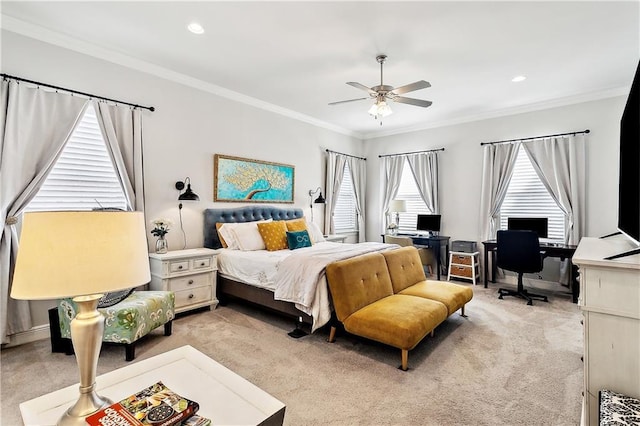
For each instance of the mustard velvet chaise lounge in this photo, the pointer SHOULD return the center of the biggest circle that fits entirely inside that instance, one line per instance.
(364, 303)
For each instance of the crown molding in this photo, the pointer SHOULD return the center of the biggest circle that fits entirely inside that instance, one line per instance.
(37, 32)
(554, 103)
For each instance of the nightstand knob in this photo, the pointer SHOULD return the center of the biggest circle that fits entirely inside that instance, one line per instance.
(190, 281)
(191, 296)
(202, 264)
(180, 267)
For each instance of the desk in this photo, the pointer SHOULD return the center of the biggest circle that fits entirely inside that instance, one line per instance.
(433, 242)
(224, 397)
(561, 251)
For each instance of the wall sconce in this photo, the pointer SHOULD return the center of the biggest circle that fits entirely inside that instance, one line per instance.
(187, 195)
(319, 200)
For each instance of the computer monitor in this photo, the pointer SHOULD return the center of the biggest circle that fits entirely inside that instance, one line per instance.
(539, 225)
(428, 222)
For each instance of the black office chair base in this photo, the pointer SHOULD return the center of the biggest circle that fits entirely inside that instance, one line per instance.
(523, 294)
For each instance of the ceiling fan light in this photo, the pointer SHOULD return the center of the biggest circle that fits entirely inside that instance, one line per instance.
(384, 109)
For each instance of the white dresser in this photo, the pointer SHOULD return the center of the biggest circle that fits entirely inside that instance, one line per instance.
(610, 303)
(191, 274)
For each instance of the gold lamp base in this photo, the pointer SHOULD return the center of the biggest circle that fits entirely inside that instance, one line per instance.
(87, 329)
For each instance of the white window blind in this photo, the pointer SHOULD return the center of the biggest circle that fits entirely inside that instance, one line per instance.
(408, 191)
(345, 215)
(83, 178)
(527, 197)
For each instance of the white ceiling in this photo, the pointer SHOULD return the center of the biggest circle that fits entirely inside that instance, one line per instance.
(295, 57)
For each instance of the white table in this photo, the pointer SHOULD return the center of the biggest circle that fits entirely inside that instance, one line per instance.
(224, 397)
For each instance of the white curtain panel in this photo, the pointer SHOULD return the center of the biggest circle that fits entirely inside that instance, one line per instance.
(358, 168)
(424, 166)
(122, 130)
(560, 164)
(390, 176)
(35, 126)
(335, 173)
(497, 169)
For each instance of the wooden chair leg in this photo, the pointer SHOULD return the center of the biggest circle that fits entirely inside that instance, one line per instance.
(332, 334)
(405, 359)
(168, 328)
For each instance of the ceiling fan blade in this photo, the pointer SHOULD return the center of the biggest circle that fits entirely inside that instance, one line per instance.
(350, 100)
(411, 101)
(411, 87)
(362, 86)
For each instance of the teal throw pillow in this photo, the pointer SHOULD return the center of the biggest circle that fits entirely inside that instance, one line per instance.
(298, 239)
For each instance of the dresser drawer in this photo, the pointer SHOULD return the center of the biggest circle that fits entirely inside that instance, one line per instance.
(179, 266)
(192, 296)
(460, 259)
(610, 291)
(189, 281)
(461, 271)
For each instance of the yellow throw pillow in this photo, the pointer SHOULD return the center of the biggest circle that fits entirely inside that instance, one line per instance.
(274, 235)
(295, 225)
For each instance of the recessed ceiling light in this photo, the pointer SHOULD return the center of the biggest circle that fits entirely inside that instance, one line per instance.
(518, 78)
(195, 28)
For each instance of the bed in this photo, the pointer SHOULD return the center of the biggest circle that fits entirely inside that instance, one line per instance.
(290, 282)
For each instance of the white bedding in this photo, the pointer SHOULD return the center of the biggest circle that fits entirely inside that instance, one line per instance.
(295, 276)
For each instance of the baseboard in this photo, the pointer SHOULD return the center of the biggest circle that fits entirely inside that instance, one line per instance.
(34, 334)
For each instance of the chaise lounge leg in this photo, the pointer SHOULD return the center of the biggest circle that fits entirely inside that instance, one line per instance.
(462, 311)
(405, 359)
(332, 334)
(129, 351)
(167, 328)
(433, 332)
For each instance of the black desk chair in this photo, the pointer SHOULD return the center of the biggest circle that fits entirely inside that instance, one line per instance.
(519, 251)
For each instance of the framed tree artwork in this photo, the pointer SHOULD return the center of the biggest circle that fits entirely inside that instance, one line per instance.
(244, 180)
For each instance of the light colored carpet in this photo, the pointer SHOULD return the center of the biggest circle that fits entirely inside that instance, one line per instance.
(506, 364)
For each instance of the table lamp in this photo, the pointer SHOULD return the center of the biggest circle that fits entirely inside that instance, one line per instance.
(81, 255)
(397, 207)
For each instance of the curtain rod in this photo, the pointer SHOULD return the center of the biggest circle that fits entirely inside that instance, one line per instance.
(535, 137)
(413, 152)
(89, 95)
(347, 155)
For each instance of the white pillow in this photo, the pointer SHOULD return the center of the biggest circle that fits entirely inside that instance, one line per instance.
(315, 233)
(232, 239)
(248, 237)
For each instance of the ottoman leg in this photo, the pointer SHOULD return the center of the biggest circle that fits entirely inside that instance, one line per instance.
(167, 328)
(129, 351)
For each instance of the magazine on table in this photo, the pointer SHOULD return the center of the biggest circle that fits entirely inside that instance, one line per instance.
(156, 405)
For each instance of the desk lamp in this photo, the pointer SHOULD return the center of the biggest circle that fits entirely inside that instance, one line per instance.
(397, 207)
(81, 255)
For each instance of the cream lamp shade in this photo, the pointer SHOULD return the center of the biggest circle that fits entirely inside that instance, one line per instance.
(398, 206)
(67, 254)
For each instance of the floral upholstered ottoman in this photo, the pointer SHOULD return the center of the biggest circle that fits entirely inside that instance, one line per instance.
(128, 320)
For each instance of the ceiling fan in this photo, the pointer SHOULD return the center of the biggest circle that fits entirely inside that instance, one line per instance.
(382, 93)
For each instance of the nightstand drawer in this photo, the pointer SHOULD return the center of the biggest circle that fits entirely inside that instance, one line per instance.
(193, 296)
(190, 281)
(461, 271)
(181, 266)
(202, 263)
(611, 291)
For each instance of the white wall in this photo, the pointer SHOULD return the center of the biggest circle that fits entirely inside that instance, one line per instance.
(180, 138)
(460, 165)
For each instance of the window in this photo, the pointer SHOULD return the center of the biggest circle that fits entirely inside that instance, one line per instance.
(345, 216)
(83, 178)
(528, 197)
(408, 191)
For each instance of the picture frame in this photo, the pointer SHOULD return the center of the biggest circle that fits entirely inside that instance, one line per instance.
(237, 179)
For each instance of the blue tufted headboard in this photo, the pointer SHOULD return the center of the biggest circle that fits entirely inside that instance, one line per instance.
(242, 214)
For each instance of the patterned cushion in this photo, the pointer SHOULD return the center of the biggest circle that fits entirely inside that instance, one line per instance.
(298, 239)
(129, 320)
(222, 241)
(618, 409)
(274, 234)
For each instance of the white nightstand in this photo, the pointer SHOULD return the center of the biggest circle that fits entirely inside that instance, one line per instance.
(335, 238)
(191, 274)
